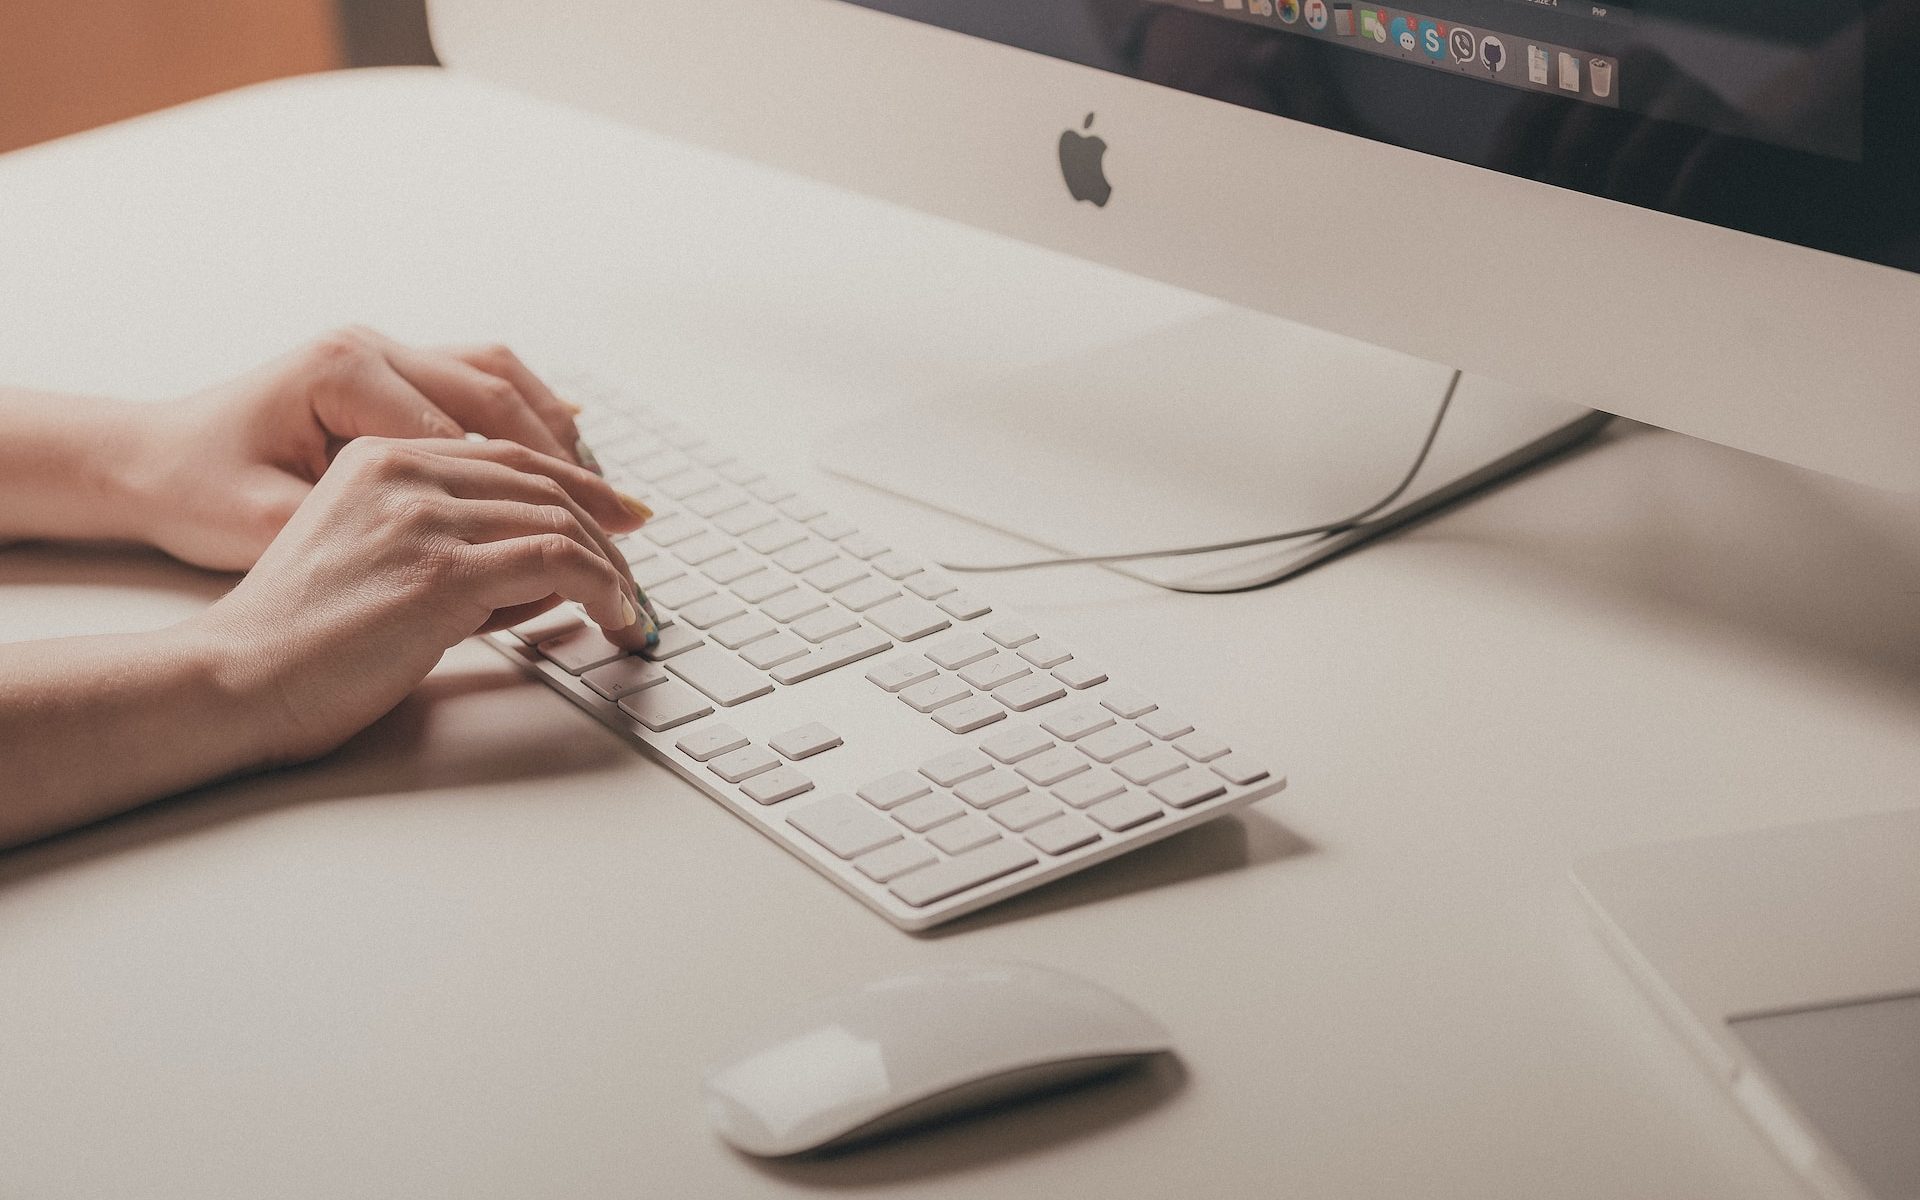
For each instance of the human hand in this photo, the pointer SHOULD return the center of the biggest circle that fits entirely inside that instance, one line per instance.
(404, 548)
(220, 473)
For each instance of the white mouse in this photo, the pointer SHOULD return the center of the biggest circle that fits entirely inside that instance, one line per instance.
(914, 1048)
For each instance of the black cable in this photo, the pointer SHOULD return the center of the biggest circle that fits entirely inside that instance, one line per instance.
(1340, 526)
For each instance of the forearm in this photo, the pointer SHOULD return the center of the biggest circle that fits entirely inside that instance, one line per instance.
(67, 468)
(92, 726)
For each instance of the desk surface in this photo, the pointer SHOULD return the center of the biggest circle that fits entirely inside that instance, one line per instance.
(486, 950)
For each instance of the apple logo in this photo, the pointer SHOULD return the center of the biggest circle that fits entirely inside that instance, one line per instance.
(1081, 162)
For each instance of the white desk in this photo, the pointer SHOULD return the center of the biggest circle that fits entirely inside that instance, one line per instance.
(486, 950)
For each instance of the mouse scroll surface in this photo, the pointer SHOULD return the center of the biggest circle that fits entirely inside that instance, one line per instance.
(912, 1048)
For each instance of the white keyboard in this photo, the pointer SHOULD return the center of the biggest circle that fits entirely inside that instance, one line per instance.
(926, 751)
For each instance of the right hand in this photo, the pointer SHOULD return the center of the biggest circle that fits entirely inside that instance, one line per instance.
(402, 550)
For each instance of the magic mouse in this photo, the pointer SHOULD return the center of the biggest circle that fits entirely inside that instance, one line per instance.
(914, 1048)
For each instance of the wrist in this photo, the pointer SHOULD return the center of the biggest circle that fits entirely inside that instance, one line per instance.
(244, 710)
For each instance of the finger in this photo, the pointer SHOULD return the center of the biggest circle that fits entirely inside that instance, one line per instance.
(527, 570)
(480, 402)
(507, 618)
(523, 504)
(357, 393)
(612, 508)
(557, 414)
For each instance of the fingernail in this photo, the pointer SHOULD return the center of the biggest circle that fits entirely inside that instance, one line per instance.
(653, 614)
(475, 437)
(572, 408)
(585, 455)
(653, 638)
(628, 612)
(636, 506)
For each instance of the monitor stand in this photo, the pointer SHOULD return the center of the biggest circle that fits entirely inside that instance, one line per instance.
(1229, 425)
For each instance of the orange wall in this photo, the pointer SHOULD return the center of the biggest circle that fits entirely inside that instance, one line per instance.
(67, 65)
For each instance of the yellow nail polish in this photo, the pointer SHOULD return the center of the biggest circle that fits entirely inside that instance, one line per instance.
(636, 506)
(628, 612)
(572, 408)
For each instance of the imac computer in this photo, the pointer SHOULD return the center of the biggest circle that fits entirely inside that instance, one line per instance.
(1697, 214)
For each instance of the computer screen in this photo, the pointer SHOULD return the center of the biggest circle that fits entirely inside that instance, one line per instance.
(1797, 120)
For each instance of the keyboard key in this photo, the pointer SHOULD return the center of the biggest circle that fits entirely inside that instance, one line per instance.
(1050, 767)
(715, 500)
(624, 677)
(711, 742)
(658, 571)
(801, 509)
(828, 622)
(901, 672)
(769, 489)
(864, 594)
(1069, 831)
(833, 654)
(686, 483)
(781, 783)
(863, 547)
(995, 787)
(1187, 787)
(1238, 768)
(962, 607)
(1128, 704)
(581, 650)
(663, 465)
(791, 606)
(927, 696)
(1072, 724)
(745, 628)
(1110, 744)
(705, 548)
(762, 585)
(958, 837)
(991, 672)
(834, 574)
(965, 716)
(1015, 743)
(931, 585)
(960, 650)
(832, 527)
(732, 566)
(846, 827)
(806, 741)
(1164, 725)
(959, 765)
(895, 565)
(678, 593)
(1011, 633)
(672, 530)
(548, 626)
(1023, 695)
(744, 763)
(804, 556)
(1202, 747)
(893, 790)
(955, 875)
(768, 653)
(661, 708)
(1079, 675)
(1044, 654)
(772, 539)
(738, 522)
(891, 862)
(705, 614)
(926, 812)
(1090, 788)
(1024, 812)
(720, 675)
(1125, 811)
(905, 620)
(1146, 766)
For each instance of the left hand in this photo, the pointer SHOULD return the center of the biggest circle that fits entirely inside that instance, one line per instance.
(221, 472)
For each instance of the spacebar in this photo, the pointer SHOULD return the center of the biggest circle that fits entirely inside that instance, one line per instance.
(975, 867)
(719, 675)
